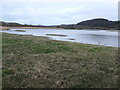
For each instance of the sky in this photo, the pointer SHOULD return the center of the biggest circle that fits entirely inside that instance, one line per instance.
(55, 12)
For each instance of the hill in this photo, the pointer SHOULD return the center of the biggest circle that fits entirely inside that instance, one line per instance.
(12, 24)
(94, 24)
(98, 23)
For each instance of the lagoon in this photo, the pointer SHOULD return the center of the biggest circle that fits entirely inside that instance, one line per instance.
(96, 37)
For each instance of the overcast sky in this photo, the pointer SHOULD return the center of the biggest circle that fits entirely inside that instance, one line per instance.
(54, 12)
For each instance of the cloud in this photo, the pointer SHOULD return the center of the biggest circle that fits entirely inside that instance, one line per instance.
(60, 1)
(48, 12)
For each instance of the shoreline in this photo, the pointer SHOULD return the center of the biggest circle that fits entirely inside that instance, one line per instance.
(7, 28)
(60, 40)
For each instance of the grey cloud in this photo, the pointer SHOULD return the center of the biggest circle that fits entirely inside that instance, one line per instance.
(57, 13)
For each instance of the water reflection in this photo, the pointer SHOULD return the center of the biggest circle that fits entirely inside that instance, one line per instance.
(98, 37)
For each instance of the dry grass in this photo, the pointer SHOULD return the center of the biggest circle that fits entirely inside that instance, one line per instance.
(37, 62)
(4, 28)
(7, 28)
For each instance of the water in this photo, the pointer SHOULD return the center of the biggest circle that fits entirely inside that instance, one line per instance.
(97, 37)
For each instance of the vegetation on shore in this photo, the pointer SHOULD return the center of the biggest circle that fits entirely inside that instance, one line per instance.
(38, 62)
(8, 28)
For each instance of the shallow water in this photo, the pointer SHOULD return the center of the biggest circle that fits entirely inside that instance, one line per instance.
(97, 37)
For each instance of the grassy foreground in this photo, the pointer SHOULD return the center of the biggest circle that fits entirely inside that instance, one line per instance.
(38, 62)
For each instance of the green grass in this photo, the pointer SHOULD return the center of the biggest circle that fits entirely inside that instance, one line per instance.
(38, 62)
(7, 72)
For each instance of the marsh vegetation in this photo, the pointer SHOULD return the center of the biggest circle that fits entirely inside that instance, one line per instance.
(38, 62)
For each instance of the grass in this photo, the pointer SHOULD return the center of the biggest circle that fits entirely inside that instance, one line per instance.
(56, 35)
(38, 62)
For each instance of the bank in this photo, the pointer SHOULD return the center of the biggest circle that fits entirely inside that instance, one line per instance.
(38, 62)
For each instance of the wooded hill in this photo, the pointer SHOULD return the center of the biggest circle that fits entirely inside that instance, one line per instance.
(99, 23)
